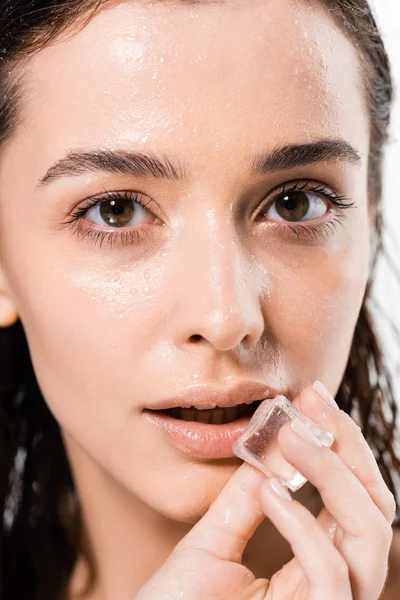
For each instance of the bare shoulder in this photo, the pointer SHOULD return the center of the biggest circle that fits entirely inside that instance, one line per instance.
(392, 587)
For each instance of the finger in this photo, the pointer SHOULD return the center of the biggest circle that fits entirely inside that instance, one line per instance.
(350, 445)
(367, 534)
(232, 518)
(342, 492)
(324, 568)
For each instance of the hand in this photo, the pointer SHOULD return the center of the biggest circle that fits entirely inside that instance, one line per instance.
(340, 555)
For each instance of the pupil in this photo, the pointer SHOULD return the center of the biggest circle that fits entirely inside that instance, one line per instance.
(117, 212)
(293, 206)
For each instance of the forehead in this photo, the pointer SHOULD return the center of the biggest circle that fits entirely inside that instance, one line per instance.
(226, 75)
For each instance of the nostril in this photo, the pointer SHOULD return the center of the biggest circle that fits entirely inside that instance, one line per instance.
(196, 338)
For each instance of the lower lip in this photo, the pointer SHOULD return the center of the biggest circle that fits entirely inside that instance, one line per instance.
(200, 439)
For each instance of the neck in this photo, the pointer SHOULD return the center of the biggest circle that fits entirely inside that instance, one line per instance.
(128, 541)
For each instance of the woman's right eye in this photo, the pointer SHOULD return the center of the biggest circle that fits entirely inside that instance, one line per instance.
(115, 218)
(118, 211)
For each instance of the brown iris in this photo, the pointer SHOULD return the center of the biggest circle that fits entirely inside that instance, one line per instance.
(292, 206)
(117, 212)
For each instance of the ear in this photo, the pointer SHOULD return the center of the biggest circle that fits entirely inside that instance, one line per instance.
(8, 311)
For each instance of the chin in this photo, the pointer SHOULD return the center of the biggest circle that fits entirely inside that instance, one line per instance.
(184, 512)
(187, 498)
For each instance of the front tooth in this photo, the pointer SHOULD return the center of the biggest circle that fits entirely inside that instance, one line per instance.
(217, 416)
(190, 414)
(204, 416)
(231, 413)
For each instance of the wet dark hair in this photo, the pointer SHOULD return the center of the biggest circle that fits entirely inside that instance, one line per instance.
(41, 534)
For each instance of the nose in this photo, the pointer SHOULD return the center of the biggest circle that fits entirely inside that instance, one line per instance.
(217, 289)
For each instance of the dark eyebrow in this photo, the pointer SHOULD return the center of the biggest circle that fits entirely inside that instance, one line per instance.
(150, 166)
(300, 155)
(113, 161)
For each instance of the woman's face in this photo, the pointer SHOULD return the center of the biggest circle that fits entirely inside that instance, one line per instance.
(215, 281)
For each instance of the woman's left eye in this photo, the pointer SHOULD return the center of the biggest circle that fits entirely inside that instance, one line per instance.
(297, 206)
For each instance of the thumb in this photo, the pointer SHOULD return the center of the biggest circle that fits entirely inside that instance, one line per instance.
(232, 518)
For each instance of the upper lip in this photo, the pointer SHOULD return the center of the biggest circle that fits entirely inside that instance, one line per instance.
(204, 397)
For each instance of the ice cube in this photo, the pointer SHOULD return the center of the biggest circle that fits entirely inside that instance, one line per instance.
(258, 444)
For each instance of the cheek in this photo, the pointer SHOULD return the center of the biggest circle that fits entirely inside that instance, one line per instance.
(89, 334)
(318, 297)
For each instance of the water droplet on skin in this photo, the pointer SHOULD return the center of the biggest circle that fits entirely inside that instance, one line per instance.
(113, 346)
(332, 530)
(146, 289)
(227, 517)
(121, 316)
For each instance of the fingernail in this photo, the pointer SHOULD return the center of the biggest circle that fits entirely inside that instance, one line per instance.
(279, 489)
(305, 432)
(325, 395)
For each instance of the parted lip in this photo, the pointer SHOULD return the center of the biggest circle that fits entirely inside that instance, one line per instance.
(205, 397)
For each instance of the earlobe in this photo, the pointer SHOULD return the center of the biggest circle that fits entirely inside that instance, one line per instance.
(8, 311)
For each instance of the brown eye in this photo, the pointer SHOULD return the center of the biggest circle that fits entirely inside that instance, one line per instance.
(116, 212)
(293, 206)
(119, 210)
(297, 206)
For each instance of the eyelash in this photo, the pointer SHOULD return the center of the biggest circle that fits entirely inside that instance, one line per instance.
(126, 237)
(318, 230)
(132, 236)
